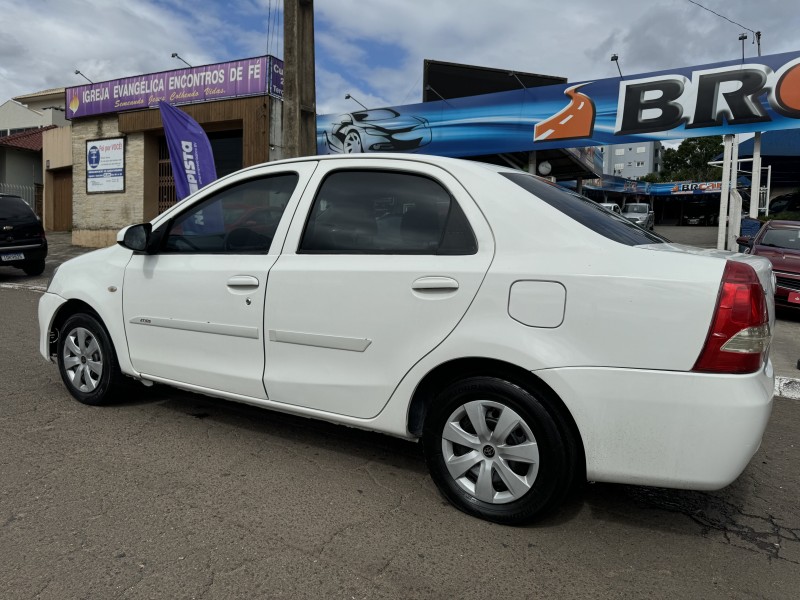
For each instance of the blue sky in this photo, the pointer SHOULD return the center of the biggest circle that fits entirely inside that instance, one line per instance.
(374, 49)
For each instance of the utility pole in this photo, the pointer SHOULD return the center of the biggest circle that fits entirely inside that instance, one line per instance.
(299, 92)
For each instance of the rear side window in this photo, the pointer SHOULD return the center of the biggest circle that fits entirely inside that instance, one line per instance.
(385, 212)
(586, 212)
(14, 207)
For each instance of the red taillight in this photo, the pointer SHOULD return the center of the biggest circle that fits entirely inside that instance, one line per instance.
(739, 334)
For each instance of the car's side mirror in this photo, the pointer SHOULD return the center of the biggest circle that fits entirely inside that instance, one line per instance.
(135, 237)
(744, 240)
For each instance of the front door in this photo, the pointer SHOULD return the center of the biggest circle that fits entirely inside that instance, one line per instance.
(194, 310)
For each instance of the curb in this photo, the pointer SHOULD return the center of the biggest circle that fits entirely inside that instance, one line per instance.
(787, 387)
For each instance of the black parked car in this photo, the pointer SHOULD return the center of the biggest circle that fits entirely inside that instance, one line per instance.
(22, 240)
(785, 207)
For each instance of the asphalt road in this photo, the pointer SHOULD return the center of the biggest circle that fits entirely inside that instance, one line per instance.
(174, 495)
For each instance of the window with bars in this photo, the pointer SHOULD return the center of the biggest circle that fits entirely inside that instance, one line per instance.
(166, 181)
(227, 149)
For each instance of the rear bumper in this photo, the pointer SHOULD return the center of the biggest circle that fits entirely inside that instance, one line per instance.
(667, 429)
(31, 252)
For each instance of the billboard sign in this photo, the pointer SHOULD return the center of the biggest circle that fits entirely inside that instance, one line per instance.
(275, 77)
(233, 79)
(760, 94)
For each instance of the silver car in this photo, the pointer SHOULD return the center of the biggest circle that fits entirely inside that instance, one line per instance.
(639, 213)
(612, 206)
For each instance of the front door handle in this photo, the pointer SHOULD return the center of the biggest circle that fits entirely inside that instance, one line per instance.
(434, 283)
(242, 281)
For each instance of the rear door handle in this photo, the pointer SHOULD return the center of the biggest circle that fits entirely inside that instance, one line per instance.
(435, 283)
(242, 281)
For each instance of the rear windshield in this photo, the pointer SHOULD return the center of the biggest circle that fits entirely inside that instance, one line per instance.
(13, 207)
(586, 212)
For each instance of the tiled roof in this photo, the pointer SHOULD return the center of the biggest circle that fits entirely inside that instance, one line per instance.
(26, 140)
(33, 95)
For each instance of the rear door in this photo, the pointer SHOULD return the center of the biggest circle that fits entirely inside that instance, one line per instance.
(380, 265)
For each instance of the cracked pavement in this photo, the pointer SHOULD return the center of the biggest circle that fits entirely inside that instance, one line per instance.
(174, 495)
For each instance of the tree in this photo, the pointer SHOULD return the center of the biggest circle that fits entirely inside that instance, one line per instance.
(689, 161)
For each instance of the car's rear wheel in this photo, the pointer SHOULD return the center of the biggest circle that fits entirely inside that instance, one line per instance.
(87, 362)
(352, 143)
(496, 451)
(33, 267)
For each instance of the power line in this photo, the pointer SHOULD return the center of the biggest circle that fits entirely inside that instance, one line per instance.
(722, 16)
(269, 24)
(279, 26)
(274, 19)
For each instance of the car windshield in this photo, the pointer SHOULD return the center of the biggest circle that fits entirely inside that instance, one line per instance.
(636, 208)
(782, 238)
(13, 207)
(375, 115)
(585, 211)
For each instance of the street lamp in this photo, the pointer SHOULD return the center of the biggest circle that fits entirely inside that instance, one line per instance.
(349, 97)
(742, 38)
(77, 72)
(175, 55)
(615, 60)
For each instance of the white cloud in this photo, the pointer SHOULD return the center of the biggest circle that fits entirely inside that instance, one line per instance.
(375, 49)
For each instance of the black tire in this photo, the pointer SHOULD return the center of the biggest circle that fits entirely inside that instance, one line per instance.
(87, 361)
(542, 480)
(33, 267)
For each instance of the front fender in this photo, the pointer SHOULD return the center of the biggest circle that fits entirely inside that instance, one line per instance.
(95, 279)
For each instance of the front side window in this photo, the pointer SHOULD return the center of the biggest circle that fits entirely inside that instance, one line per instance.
(240, 219)
(385, 212)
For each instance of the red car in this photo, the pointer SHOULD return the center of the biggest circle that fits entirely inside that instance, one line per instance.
(779, 241)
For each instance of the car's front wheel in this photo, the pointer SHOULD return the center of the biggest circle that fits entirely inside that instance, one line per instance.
(352, 143)
(496, 451)
(87, 362)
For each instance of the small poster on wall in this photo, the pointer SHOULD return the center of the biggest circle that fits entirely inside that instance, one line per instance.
(105, 165)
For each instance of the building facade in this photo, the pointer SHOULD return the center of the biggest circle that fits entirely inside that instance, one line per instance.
(238, 130)
(32, 111)
(235, 103)
(632, 160)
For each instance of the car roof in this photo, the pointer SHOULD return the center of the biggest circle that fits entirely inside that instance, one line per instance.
(780, 224)
(445, 162)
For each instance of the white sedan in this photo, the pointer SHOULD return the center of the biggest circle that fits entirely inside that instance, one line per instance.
(488, 312)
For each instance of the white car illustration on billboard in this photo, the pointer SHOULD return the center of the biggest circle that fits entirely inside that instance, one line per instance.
(379, 130)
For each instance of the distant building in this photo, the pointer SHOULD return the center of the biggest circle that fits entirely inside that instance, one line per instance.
(633, 160)
(36, 154)
(32, 111)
